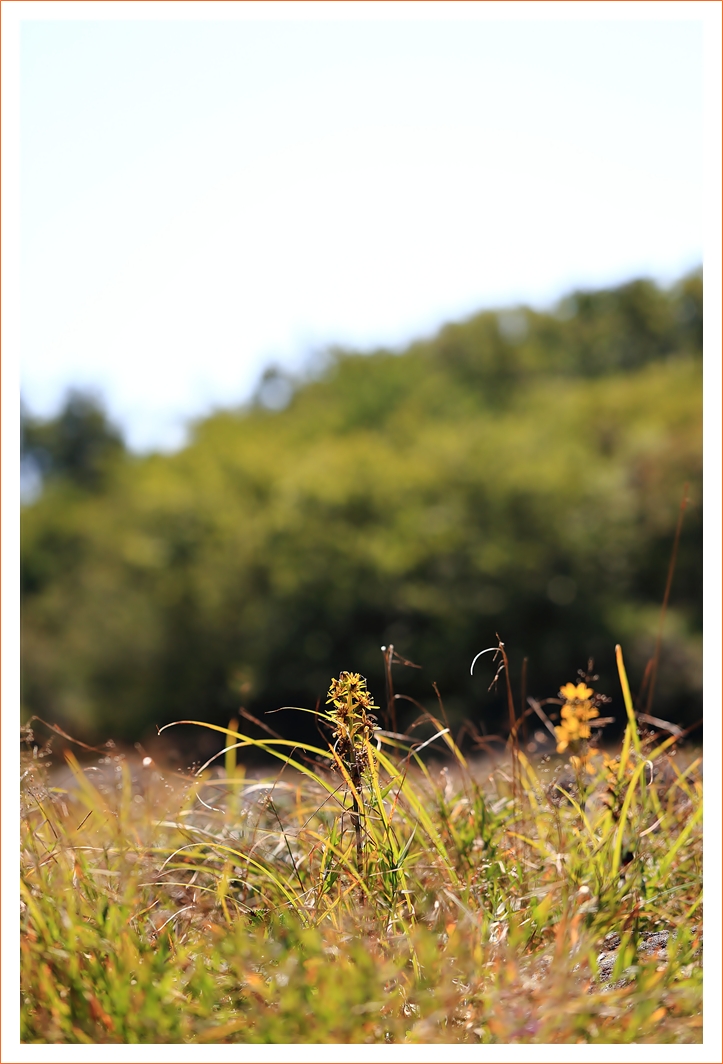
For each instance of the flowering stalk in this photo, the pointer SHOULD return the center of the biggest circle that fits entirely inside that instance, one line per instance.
(575, 716)
(354, 726)
(580, 707)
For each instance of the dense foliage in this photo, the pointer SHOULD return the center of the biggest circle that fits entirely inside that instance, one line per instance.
(79, 445)
(519, 473)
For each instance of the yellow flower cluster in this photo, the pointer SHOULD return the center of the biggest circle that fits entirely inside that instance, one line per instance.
(352, 713)
(575, 715)
(349, 692)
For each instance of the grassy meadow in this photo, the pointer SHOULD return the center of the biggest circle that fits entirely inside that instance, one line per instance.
(374, 887)
(376, 868)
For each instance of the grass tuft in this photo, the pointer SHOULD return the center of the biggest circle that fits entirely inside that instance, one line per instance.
(363, 895)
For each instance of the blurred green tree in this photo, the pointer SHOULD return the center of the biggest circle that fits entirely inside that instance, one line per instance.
(79, 444)
(519, 473)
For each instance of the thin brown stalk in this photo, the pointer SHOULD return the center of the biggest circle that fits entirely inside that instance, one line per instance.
(669, 582)
(388, 653)
(356, 817)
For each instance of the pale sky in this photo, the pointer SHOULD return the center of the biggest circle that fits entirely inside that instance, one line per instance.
(201, 198)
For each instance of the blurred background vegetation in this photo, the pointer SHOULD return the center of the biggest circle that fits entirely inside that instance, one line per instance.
(519, 473)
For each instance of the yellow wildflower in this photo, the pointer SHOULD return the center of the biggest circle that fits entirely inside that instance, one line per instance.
(572, 693)
(562, 738)
(584, 762)
(574, 715)
(611, 765)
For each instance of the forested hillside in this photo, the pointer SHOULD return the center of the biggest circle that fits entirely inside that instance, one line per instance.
(518, 473)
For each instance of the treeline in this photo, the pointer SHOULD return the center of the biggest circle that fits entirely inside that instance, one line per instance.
(518, 473)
